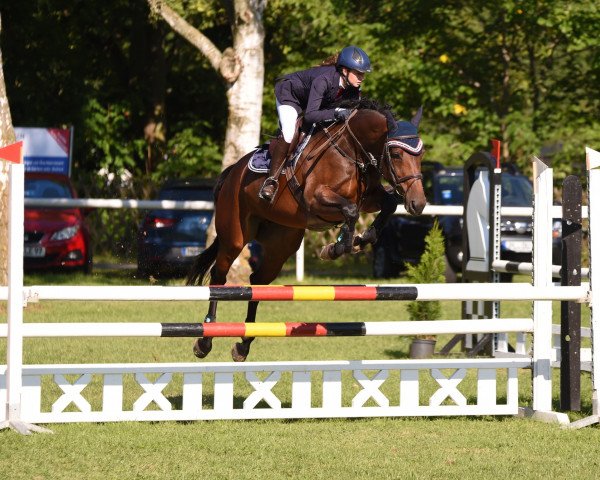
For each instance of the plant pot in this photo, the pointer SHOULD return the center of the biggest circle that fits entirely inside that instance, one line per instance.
(422, 348)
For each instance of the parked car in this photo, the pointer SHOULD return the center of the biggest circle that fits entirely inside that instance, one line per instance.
(54, 237)
(168, 240)
(402, 240)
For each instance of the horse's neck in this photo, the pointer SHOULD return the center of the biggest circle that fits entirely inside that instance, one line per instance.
(370, 128)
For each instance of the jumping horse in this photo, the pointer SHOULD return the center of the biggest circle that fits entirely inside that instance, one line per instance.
(337, 175)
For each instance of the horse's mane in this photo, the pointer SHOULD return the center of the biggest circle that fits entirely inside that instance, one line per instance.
(370, 104)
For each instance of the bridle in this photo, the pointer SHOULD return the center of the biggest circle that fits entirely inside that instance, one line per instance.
(385, 155)
(414, 151)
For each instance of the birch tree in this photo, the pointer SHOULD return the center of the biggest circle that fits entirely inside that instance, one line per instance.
(240, 66)
(7, 136)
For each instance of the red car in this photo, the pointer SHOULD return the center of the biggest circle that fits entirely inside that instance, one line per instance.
(54, 237)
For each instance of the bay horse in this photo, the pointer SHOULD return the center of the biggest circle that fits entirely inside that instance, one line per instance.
(337, 175)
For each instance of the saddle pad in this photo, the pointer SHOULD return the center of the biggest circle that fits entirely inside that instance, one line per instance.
(260, 161)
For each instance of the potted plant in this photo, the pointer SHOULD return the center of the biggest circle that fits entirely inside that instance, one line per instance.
(430, 269)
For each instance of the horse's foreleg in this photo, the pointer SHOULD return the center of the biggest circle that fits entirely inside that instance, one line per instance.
(240, 350)
(345, 239)
(384, 201)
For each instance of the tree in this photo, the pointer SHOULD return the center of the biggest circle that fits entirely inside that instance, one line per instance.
(240, 66)
(7, 136)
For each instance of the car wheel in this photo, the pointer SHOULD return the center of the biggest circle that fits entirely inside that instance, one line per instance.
(454, 256)
(88, 268)
(449, 273)
(383, 267)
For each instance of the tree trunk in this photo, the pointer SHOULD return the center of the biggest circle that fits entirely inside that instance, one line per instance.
(7, 136)
(242, 69)
(245, 104)
(245, 95)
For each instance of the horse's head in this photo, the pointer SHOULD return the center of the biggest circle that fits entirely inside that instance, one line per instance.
(402, 163)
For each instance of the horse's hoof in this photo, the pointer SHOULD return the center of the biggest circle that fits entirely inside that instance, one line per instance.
(239, 352)
(326, 252)
(202, 347)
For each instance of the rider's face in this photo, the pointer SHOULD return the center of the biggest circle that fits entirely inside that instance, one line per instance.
(355, 78)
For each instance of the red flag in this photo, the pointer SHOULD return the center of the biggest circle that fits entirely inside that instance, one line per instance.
(496, 151)
(12, 153)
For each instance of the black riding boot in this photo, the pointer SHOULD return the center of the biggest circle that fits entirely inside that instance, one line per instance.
(269, 187)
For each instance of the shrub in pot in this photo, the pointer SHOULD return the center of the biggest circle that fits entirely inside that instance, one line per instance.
(430, 269)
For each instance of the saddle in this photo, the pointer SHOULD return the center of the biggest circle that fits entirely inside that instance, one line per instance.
(260, 161)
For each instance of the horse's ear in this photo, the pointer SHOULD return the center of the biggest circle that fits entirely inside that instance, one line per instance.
(417, 118)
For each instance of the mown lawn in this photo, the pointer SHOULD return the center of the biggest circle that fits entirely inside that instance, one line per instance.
(490, 447)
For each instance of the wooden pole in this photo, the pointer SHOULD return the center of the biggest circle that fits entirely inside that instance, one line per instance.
(570, 312)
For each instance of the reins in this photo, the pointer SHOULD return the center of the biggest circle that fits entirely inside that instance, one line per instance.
(332, 141)
(385, 155)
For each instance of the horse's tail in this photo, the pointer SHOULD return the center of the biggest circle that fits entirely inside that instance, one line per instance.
(202, 264)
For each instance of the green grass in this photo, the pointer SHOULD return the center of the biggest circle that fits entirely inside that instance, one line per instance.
(428, 448)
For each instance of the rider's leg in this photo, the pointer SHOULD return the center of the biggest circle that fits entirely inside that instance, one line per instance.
(287, 121)
(278, 154)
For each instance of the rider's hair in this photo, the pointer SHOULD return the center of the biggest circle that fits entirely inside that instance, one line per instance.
(330, 60)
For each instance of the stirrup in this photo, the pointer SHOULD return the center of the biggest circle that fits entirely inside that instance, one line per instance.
(264, 192)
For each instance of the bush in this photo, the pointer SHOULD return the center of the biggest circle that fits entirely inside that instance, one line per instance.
(430, 269)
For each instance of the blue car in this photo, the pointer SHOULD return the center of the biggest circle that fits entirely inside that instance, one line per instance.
(168, 240)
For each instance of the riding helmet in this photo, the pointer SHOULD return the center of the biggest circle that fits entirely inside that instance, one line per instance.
(354, 58)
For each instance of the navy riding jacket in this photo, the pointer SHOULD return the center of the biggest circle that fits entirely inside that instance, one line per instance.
(314, 92)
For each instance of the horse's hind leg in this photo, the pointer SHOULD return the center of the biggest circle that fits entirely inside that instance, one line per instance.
(278, 244)
(218, 276)
(203, 346)
(240, 350)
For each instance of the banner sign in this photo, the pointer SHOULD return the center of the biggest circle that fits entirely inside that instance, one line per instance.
(46, 149)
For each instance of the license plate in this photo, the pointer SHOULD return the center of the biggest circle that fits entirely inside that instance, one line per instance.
(34, 251)
(518, 246)
(190, 251)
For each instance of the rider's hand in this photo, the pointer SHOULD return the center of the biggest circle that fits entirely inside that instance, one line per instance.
(341, 114)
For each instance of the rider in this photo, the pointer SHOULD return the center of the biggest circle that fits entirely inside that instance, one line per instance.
(314, 92)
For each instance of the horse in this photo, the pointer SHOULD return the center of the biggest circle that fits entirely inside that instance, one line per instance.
(337, 175)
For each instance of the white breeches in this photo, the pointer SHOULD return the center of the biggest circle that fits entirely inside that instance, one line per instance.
(287, 120)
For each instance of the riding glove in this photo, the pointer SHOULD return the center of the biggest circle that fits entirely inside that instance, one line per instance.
(341, 114)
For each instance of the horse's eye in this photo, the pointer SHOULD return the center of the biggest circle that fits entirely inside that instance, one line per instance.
(395, 155)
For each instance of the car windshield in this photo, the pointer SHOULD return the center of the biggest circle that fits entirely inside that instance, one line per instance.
(516, 191)
(450, 189)
(46, 188)
(186, 193)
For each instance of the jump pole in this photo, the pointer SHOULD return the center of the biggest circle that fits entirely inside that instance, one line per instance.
(274, 329)
(593, 169)
(424, 291)
(542, 278)
(14, 354)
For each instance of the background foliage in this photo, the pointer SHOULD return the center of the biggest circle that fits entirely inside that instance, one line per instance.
(524, 71)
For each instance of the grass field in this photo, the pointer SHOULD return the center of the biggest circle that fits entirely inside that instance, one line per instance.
(489, 447)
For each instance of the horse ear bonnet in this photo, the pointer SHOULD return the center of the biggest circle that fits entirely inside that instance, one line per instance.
(403, 129)
(406, 137)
